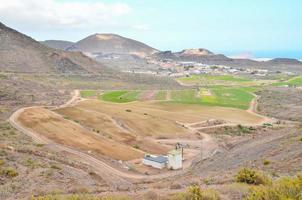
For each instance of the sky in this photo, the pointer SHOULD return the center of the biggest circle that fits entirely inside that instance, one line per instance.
(263, 28)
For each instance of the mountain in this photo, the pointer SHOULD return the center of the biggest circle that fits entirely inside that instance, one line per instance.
(20, 53)
(57, 44)
(102, 44)
(207, 57)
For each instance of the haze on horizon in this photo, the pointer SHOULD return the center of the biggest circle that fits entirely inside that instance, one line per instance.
(225, 26)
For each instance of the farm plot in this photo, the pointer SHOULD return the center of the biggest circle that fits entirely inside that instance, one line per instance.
(65, 132)
(296, 81)
(214, 80)
(235, 97)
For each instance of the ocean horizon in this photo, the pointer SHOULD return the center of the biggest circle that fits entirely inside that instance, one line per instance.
(269, 54)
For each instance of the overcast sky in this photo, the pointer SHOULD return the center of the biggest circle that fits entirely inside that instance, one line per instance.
(221, 25)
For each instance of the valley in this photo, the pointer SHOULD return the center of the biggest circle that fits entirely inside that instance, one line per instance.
(82, 120)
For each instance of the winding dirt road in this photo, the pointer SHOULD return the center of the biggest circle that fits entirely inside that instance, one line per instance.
(113, 176)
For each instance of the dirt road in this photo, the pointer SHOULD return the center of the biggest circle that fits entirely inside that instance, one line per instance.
(114, 177)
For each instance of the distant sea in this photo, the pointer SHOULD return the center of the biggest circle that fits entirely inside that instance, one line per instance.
(297, 54)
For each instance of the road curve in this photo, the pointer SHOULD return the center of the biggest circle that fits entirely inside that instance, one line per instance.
(109, 173)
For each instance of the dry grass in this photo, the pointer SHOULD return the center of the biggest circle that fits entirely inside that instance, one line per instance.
(113, 129)
(67, 133)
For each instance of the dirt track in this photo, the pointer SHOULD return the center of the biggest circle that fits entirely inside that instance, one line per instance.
(113, 176)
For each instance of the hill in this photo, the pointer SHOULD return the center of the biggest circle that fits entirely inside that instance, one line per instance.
(20, 53)
(111, 44)
(57, 44)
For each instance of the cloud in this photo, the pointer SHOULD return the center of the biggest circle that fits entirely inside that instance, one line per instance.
(49, 14)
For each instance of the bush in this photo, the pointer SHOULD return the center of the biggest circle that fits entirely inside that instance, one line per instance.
(283, 189)
(78, 197)
(2, 162)
(250, 176)
(9, 172)
(136, 146)
(266, 162)
(195, 193)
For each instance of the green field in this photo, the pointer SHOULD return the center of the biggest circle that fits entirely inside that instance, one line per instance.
(214, 79)
(161, 95)
(88, 93)
(228, 97)
(120, 96)
(216, 96)
(296, 81)
(235, 97)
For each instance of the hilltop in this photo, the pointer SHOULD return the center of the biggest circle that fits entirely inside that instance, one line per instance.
(111, 44)
(20, 53)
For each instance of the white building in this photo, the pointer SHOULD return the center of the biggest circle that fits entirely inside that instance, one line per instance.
(175, 159)
(158, 162)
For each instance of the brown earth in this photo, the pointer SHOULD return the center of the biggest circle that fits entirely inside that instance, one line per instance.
(62, 131)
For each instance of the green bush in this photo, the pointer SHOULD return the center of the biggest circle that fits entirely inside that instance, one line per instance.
(266, 162)
(285, 188)
(8, 172)
(195, 193)
(250, 176)
(2, 162)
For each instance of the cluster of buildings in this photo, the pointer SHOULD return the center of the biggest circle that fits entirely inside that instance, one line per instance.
(173, 68)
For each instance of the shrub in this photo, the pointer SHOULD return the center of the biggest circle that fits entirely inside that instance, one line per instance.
(283, 189)
(9, 172)
(195, 193)
(136, 146)
(2, 162)
(250, 176)
(128, 110)
(266, 162)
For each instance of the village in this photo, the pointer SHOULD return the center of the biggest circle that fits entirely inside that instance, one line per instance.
(171, 68)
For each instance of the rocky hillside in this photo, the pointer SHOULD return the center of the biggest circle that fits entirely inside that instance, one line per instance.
(57, 44)
(20, 53)
(111, 44)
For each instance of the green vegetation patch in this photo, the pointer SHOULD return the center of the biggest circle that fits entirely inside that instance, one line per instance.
(228, 97)
(185, 96)
(284, 188)
(296, 81)
(161, 95)
(120, 96)
(213, 79)
(253, 177)
(88, 93)
(195, 192)
(235, 97)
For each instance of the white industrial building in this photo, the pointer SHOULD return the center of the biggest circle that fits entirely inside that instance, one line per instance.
(158, 162)
(175, 159)
(172, 161)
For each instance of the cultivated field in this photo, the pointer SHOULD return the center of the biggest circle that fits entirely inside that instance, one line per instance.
(235, 97)
(225, 80)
